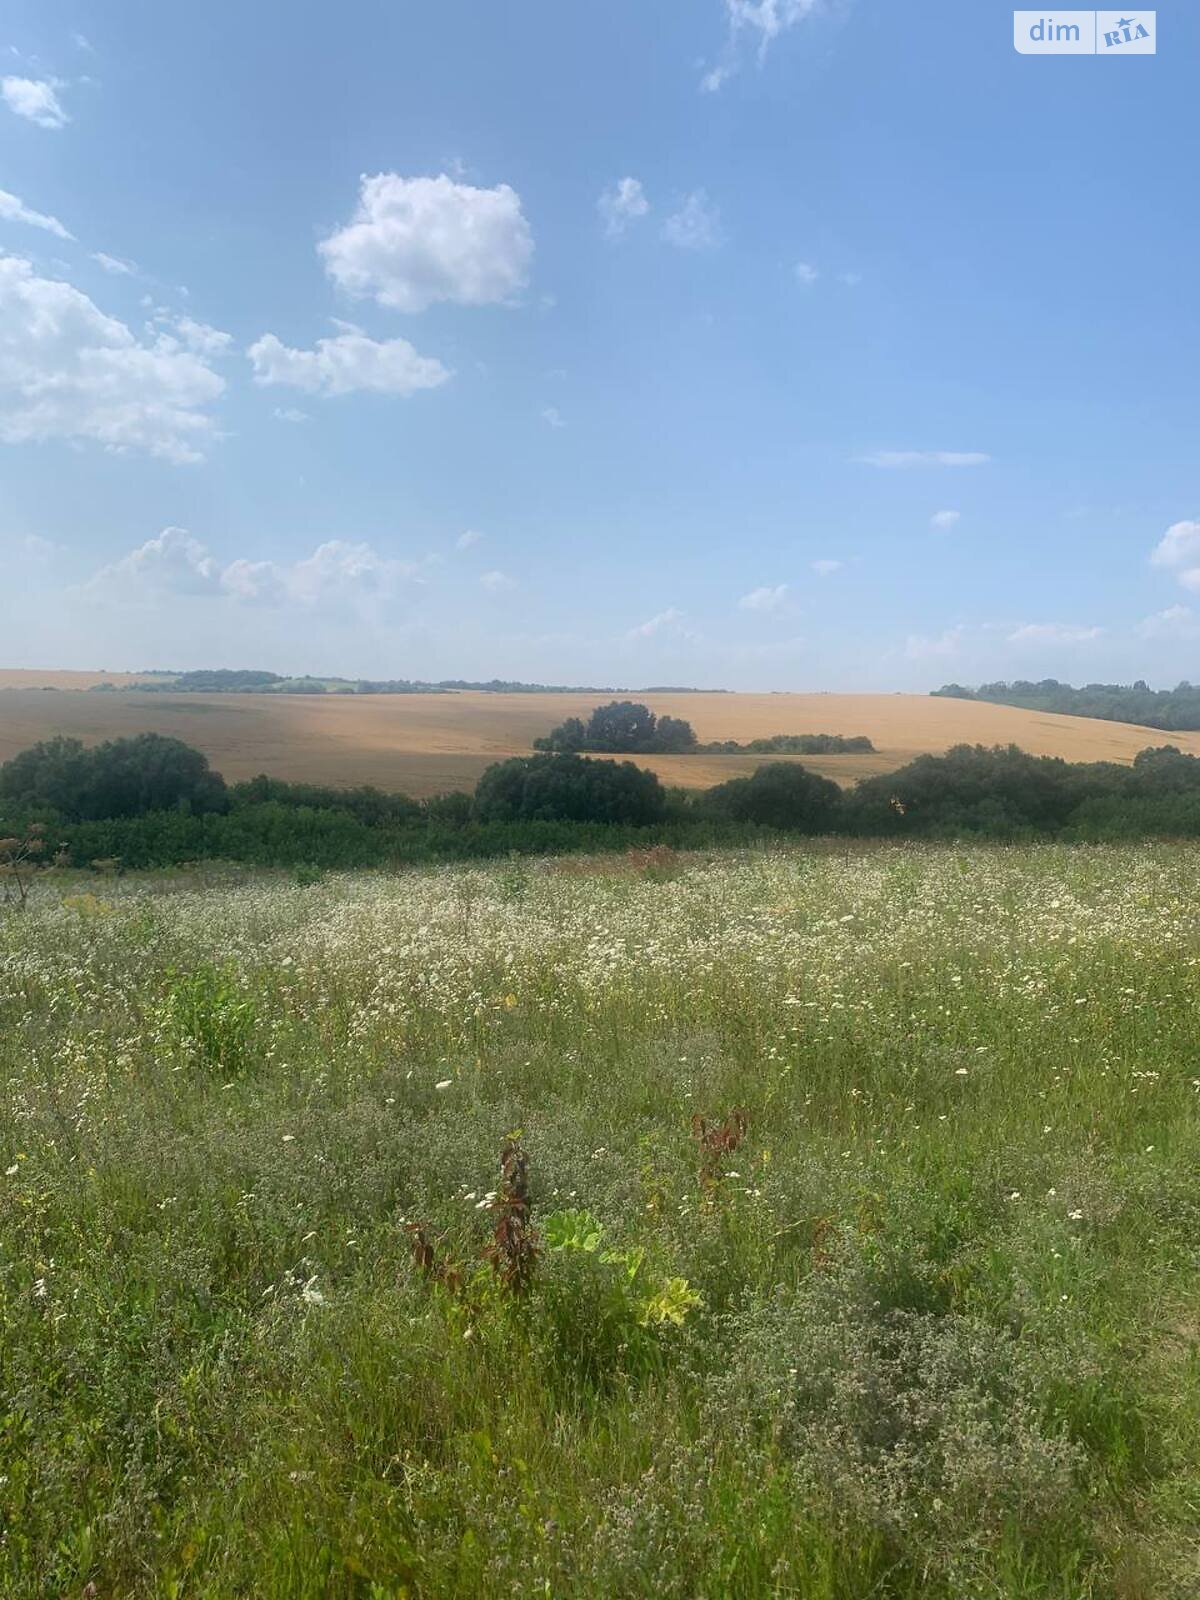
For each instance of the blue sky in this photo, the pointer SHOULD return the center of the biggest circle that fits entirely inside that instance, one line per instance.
(779, 344)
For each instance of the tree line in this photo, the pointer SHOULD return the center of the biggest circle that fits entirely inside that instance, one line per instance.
(1174, 710)
(626, 727)
(153, 801)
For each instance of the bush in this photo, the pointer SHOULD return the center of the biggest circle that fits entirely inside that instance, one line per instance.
(567, 788)
(123, 778)
(782, 794)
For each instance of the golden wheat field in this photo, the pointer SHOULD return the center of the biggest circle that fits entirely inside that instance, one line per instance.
(426, 743)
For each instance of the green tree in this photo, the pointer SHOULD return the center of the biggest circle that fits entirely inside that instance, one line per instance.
(568, 788)
(781, 794)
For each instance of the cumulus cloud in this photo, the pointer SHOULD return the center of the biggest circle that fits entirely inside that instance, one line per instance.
(554, 417)
(68, 371)
(765, 598)
(290, 414)
(171, 563)
(415, 241)
(825, 567)
(925, 458)
(497, 581)
(620, 204)
(13, 209)
(944, 521)
(696, 225)
(1179, 550)
(467, 538)
(36, 99)
(1053, 633)
(338, 574)
(349, 363)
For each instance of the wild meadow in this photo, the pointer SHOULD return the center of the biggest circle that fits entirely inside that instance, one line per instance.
(845, 1245)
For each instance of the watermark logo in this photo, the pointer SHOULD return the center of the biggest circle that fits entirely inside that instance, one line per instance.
(1084, 33)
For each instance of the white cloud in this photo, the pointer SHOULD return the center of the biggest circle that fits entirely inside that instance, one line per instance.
(201, 337)
(696, 225)
(1179, 547)
(825, 567)
(766, 19)
(1053, 633)
(1176, 622)
(113, 264)
(467, 538)
(68, 371)
(944, 521)
(339, 571)
(172, 563)
(921, 647)
(13, 209)
(338, 575)
(764, 599)
(769, 18)
(668, 619)
(925, 458)
(36, 99)
(347, 364)
(497, 581)
(415, 241)
(554, 417)
(806, 273)
(620, 204)
(290, 414)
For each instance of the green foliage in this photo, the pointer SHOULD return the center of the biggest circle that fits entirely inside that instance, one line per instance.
(207, 1014)
(792, 744)
(780, 795)
(622, 727)
(566, 788)
(935, 1339)
(122, 778)
(1177, 708)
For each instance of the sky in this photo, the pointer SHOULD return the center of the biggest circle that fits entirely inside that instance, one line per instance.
(756, 344)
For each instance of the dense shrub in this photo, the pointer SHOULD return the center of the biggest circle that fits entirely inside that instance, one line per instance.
(570, 789)
(780, 794)
(792, 744)
(375, 807)
(122, 778)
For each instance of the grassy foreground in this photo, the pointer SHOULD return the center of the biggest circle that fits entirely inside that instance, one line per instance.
(930, 1327)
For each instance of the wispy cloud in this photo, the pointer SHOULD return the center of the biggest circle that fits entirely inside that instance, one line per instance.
(35, 99)
(944, 521)
(661, 622)
(695, 225)
(620, 204)
(925, 458)
(1053, 633)
(758, 22)
(13, 209)
(765, 598)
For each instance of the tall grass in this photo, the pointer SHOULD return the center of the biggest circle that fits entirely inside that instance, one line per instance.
(798, 1223)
